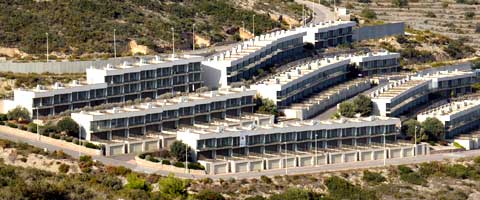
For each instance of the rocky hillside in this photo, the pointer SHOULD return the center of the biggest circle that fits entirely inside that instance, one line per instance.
(85, 27)
(453, 18)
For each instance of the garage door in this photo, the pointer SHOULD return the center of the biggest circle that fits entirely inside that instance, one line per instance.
(274, 164)
(257, 165)
(396, 153)
(378, 155)
(220, 169)
(408, 153)
(136, 148)
(291, 162)
(336, 158)
(241, 167)
(351, 157)
(151, 146)
(116, 150)
(365, 156)
(305, 162)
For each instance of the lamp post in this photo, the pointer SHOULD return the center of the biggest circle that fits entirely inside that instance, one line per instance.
(114, 44)
(415, 141)
(186, 158)
(79, 140)
(253, 20)
(316, 149)
(384, 149)
(173, 42)
(38, 127)
(286, 159)
(193, 37)
(47, 46)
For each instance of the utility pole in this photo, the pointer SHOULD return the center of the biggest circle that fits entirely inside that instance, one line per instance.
(415, 141)
(303, 14)
(384, 148)
(38, 127)
(316, 149)
(253, 26)
(47, 46)
(173, 42)
(79, 140)
(286, 158)
(193, 37)
(114, 44)
(186, 158)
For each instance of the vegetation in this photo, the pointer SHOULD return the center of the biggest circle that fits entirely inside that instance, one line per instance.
(86, 26)
(19, 114)
(266, 106)
(173, 188)
(361, 105)
(431, 129)
(179, 150)
(340, 188)
(373, 178)
(469, 15)
(400, 3)
(68, 125)
(368, 13)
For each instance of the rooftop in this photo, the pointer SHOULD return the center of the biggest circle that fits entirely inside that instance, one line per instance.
(451, 108)
(302, 70)
(396, 88)
(218, 128)
(144, 62)
(444, 74)
(161, 103)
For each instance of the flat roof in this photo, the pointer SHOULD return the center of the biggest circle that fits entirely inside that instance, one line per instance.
(144, 61)
(217, 129)
(190, 98)
(451, 108)
(396, 88)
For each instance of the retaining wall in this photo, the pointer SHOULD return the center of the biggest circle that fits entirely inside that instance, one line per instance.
(171, 168)
(49, 140)
(379, 31)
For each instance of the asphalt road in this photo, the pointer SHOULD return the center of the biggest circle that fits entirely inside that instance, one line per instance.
(322, 13)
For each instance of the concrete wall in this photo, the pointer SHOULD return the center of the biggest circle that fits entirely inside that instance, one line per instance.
(58, 67)
(379, 31)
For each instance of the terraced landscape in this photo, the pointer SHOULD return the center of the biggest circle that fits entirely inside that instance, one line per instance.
(447, 17)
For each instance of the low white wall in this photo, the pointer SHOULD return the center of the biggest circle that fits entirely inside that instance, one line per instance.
(171, 168)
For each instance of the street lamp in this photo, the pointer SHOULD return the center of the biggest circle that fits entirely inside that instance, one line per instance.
(173, 42)
(384, 148)
(114, 44)
(316, 149)
(253, 26)
(79, 140)
(286, 159)
(38, 127)
(47, 46)
(193, 37)
(186, 158)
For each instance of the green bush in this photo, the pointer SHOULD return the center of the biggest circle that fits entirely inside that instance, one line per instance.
(12, 125)
(179, 164)
(32, 127)
(152, 159)
(3, 117)
(339, 188)
(91, 145)
(413, 178)
(135, 182)
(166, 162)
(195, 165)
(142, 156)
(457, 171)
(19, 114)
(22, 127)
(373, 178)
(63, 168)
(68, 125)
(209, 195)
(2, 123)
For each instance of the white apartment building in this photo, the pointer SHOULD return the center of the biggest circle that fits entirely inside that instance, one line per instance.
(398, 97)
(244, 61)
(153, 118)
(376, 63)
(219, 142)
(112, 84)
(459, 117)
(303, 80)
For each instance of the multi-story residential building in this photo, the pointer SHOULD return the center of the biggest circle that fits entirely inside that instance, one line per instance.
(164, 114)
(245, 60)
(112, 84)
(398, 97)
(329, 34)
(324, 100)
(459, 117)
(376, 63)
(449, 83)
(218, 142)
(303, 80)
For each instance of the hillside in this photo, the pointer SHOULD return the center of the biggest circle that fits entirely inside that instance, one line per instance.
(452, 18)
(83, 27)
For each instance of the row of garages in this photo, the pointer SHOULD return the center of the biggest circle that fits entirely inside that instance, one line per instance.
(288, 160)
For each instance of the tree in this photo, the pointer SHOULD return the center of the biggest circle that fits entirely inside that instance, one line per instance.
(266, 106)
(363, 105)
(68, 125)
(19, 114)
(178, 149)
(209, 195)
(173, 188)
(433, 129)
(136, 183)
(476, 63)
(347, 109)
(400, 3)
(469, 15)
(408, 128)
(368, 13)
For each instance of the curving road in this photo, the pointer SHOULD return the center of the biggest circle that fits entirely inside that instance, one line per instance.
(322, 13)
